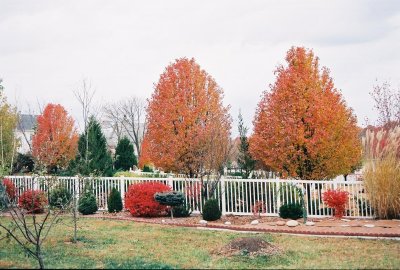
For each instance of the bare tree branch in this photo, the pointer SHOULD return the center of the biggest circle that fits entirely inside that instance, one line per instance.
(128, 117)
(85, 95)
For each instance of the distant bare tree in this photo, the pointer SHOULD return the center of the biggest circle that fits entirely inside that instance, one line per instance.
(134, 121)
(387, 102)
(85, 95)
(113, 118)
(130, 116)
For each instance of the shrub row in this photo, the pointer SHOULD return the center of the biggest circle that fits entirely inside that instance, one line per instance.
(149, 200)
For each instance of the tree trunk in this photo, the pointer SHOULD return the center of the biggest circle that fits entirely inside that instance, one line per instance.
(39, 256)
(75, 225)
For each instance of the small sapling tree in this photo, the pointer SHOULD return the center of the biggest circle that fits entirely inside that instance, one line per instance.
(27, 228)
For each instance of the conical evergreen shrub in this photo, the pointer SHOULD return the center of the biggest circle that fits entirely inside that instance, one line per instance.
(124, 155)
(87, 203)
(211, 210)
(99, 161)
(114, 201)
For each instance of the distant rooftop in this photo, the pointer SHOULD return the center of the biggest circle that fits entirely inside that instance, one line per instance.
(26, 122)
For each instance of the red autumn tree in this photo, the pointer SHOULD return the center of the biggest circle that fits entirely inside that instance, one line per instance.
(55, 141)
(188, 126)
(145, 158)
(303, 127)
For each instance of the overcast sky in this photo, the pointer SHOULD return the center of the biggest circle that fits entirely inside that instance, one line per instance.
(122, 47)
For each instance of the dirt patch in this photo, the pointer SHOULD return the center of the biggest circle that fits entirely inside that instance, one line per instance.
(251, 246)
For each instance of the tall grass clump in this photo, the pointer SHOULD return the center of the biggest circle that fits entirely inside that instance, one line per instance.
(382, 182)
(382, 171)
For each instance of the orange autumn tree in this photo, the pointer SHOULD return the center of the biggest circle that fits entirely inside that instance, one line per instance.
(188, 126)
(303, 127)
(55, 141)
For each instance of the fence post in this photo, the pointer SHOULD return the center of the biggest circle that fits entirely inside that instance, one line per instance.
(278, 195)
(122, 188)
(222, 194)
(76, 187)
(170, 182)
(35, 183)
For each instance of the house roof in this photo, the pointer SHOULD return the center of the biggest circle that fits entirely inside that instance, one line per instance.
(26, 122)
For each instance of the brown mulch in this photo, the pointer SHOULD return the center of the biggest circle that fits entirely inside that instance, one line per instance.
(251, 246)
(323, 226)
(194, 219)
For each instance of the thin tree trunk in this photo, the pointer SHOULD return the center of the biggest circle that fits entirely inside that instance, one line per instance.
(2, 147)
(39, 257)
(13, 154)
(75, 223)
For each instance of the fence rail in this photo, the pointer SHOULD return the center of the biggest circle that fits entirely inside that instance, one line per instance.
(235, 196)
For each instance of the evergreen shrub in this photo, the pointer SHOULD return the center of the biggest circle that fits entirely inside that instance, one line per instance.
(114, 201)
(87, 203)
(291, 210)
(60, 197)
(211, 210)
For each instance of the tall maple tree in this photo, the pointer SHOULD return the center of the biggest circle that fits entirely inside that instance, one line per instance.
(188, 126)
(55, 141)
(303, 127)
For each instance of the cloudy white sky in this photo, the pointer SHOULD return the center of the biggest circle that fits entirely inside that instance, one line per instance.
(48, 47)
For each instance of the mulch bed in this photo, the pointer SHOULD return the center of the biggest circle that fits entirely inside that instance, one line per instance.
(322, 227)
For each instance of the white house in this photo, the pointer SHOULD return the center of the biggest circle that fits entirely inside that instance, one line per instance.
(25, 130)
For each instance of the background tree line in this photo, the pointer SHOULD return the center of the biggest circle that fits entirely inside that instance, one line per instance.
(303, 127)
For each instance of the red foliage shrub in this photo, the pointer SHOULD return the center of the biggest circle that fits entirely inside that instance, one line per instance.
(33, 200)
(337, 200)
(10, 188)
(140, 202)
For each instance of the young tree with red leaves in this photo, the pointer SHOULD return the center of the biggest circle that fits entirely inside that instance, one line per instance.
(55, 141)
(303, 127)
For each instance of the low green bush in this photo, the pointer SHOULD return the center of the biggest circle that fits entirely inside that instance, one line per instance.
(170, 198)
(147, 168)
(291, 210)
(182, 210)
(114, 201)
(211, 210)
(87, 203)
(60, 197)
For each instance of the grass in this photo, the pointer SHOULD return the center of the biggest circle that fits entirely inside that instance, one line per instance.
(126, 244)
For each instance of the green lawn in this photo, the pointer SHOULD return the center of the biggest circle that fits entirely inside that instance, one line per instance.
(126, 244)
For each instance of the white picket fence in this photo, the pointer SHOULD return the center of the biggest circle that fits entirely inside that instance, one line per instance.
(235, 196)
